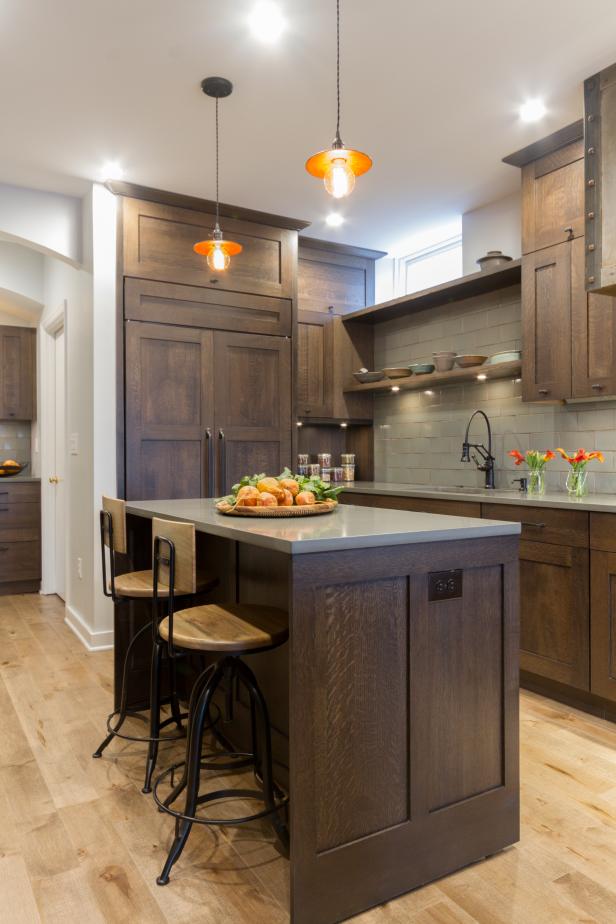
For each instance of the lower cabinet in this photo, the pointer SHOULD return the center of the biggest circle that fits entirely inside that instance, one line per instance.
(20, 537)
(603, 624)
(554, 612)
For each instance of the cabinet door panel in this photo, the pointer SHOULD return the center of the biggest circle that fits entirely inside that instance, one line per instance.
(603, 624)
(159, 239)
(169, 402)
(546, 324)
(17, 373)
(553, 198)
(252, 405)
(593, 319)
(333, 281)
(315, 360)
(554, 616)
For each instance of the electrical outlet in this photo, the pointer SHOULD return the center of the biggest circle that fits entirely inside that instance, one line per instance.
(80, 567)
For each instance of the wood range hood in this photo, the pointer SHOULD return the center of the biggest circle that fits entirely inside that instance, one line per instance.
(600, 180)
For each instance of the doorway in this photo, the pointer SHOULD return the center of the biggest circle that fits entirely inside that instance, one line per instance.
(58, 477)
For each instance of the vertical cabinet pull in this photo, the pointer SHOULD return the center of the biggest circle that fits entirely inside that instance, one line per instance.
(222, 462)
(209, 462)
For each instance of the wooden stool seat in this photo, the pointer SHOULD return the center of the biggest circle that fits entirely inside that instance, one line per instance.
(139, 584)
(229, 627)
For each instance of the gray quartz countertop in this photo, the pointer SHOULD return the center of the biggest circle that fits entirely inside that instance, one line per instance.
(597, 503)
(20, 479)
(347, 527)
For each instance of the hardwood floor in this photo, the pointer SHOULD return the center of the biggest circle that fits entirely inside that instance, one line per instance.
(78, 840)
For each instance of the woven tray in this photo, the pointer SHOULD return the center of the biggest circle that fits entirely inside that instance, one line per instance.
(308, 511)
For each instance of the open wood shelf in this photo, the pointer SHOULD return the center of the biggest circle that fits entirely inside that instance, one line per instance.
(454, 291)
(454, 377)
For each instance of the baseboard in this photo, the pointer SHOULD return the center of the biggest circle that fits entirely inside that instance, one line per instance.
(93, 641)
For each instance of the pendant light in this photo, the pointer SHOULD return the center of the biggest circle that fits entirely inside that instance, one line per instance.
(216, 249)
(338, 166)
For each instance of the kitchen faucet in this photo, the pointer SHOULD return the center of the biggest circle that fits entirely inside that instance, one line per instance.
(486, 461)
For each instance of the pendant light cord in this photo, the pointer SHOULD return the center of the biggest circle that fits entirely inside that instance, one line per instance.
(338, 68)
(217, 208)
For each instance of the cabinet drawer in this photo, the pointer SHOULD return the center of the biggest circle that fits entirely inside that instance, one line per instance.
(19, 515)
(27, 492)
(20, 560)
(450, 508)
(543, 524)
(603, 531)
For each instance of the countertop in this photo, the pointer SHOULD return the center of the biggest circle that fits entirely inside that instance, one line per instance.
(20, 479)
(596, 503)
(347, 527)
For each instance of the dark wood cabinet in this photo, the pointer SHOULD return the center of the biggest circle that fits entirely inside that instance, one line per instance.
(158, 244)
(554, 616)
(334, 277)
(603, 624)
(553, 198)
(169, 407)
(203, 408)
(252, 405)
(546, 324)
(20, 537)
(593, 318)
(17, 373)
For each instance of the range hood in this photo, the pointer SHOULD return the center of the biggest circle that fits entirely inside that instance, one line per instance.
(600, 180)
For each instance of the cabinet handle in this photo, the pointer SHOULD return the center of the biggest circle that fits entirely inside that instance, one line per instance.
(569, 233)
(209, 462)
(534, 525)
(222, 473)
(544, 391)
(4, 548)
(597, 387)
(4, 509)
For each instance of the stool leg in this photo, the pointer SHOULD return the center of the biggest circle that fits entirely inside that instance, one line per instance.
(175, 702)
(259, 706)
(193, 760)
(157, 653)
(196, 691)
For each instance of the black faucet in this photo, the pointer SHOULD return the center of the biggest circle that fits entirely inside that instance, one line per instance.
(486, 461)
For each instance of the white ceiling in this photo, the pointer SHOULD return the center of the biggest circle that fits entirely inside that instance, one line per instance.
(430, 90)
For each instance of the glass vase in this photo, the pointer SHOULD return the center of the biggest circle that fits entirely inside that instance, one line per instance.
(536, 482)
(577, 483)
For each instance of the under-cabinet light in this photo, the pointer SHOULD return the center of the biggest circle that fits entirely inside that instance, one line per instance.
(395, 388)
(481, 377)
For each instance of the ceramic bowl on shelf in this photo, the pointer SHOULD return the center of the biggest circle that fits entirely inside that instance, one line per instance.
(444, 360)
(507, 356)
(364, 376)
(421, 368)
(397, 372)
(493, 259)
(468, 360)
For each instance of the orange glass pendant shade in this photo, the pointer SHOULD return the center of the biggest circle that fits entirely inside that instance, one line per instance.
(338, 166)
(216, 249)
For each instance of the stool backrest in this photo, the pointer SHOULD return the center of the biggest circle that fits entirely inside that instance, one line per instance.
(117, 510)
(182, 535)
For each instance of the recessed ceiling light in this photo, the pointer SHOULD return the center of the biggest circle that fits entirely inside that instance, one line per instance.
(334, 219)
(112, 170)
(267, 22)
(532, 110)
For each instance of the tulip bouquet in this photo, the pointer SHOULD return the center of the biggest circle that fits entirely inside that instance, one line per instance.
(536, 462)
(577, 475)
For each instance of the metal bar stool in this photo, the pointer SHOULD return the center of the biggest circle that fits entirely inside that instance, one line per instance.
(232, 630)
(124, 588)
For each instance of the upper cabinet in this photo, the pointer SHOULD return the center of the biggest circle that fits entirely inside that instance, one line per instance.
(568, 336)
(333, 280)
(600, 136)
(17, 373)
(553, 198)
(158, 244)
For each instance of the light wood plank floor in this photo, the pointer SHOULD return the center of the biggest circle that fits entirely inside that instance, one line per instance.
(79, 842)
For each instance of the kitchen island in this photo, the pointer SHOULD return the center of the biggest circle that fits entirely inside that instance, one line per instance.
(394, 703)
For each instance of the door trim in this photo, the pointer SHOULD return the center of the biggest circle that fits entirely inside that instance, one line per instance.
(49, 329)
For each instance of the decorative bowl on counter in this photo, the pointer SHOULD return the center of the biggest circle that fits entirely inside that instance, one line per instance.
(468, 360)
(444, 360)
(493, 259)
(364, 376)
(397, 372)
(507, 356)
(421, 368)
(10, 467)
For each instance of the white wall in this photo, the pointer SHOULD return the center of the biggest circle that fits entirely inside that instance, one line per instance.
(48, 222)
(495, 226)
